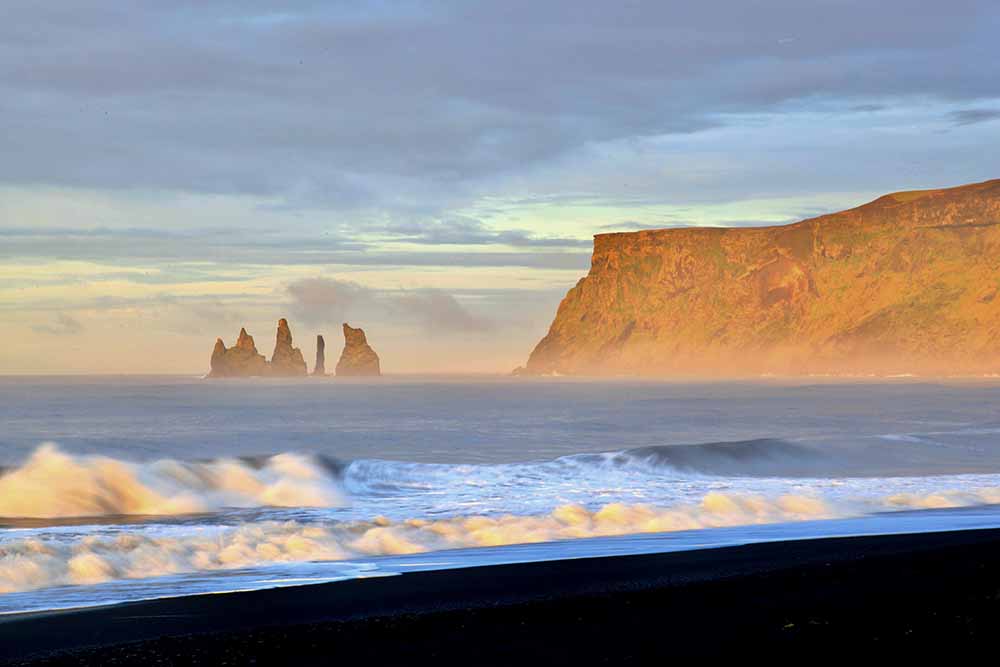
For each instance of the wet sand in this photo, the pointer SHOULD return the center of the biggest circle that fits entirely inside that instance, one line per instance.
(922, 594)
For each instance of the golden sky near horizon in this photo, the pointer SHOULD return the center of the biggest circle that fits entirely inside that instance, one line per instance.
(130, 302)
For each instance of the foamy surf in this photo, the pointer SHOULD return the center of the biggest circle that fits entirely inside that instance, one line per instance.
(266, 513)
(52, 483)
(41, 561)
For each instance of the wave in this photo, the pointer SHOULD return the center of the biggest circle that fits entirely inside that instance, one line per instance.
(37, 562)
(54, 484)
(43, 561)
(739, 457)
(764, 456)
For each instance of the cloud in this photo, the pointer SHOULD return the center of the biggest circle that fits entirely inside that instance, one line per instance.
(438, 313)
(325, 300)
(390, 107)
(330, 301)
(231, 247)
(632, 225)
(64, 325)
(635, 225)
(461, 230)
(974, 116)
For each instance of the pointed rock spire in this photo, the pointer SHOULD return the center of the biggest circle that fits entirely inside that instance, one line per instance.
(320, 367)
(286, 360)
(245, 341)
(240, 360)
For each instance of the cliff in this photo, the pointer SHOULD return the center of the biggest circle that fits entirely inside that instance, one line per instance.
(358, 358)
(905, 284)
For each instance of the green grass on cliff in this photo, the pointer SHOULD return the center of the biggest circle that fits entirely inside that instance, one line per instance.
(912, 195)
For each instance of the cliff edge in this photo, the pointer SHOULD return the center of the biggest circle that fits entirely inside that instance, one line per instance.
(905, 284)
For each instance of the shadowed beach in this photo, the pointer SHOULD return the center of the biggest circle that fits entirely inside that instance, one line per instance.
(903, 593)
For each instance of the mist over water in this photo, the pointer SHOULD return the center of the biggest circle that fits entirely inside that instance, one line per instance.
(123, 488)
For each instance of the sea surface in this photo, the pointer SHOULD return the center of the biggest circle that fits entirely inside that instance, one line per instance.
(124, 488)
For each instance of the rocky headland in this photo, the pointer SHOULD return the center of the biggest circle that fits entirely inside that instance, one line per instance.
(358, 358)
(905, 284)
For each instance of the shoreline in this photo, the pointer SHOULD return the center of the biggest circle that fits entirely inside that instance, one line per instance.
(909, 591)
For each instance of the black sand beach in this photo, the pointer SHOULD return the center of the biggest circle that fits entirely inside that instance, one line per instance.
(908, 594)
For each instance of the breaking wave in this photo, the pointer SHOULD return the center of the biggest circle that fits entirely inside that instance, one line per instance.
(52, 483)
(43, 561)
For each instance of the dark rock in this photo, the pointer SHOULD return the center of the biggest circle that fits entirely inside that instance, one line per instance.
(320, 367)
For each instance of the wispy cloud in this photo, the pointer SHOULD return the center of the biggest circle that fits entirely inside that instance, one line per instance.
(461, 230)
(326, 300)
(438, 313)
(631, 225)
(974, 116)
(235, 248)
(330, 301)
(64, 325)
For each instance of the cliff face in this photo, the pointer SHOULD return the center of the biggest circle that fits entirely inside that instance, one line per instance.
(908, 283)
(358, 358)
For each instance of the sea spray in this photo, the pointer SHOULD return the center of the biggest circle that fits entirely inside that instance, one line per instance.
(40, 561)
(52, 483)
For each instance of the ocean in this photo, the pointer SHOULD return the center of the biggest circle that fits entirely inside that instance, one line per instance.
(125, 488)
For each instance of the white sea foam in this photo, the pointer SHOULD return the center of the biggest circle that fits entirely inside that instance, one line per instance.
(52, 483)
(41, 561)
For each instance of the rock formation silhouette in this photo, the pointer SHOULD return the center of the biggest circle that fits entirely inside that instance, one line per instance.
(320, 367)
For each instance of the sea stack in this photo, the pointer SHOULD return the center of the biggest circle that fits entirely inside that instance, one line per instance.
(320, 367)
(241, 360)
(287, 361)
(358, 358)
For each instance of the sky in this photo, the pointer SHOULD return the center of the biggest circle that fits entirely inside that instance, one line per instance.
(434, 171)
